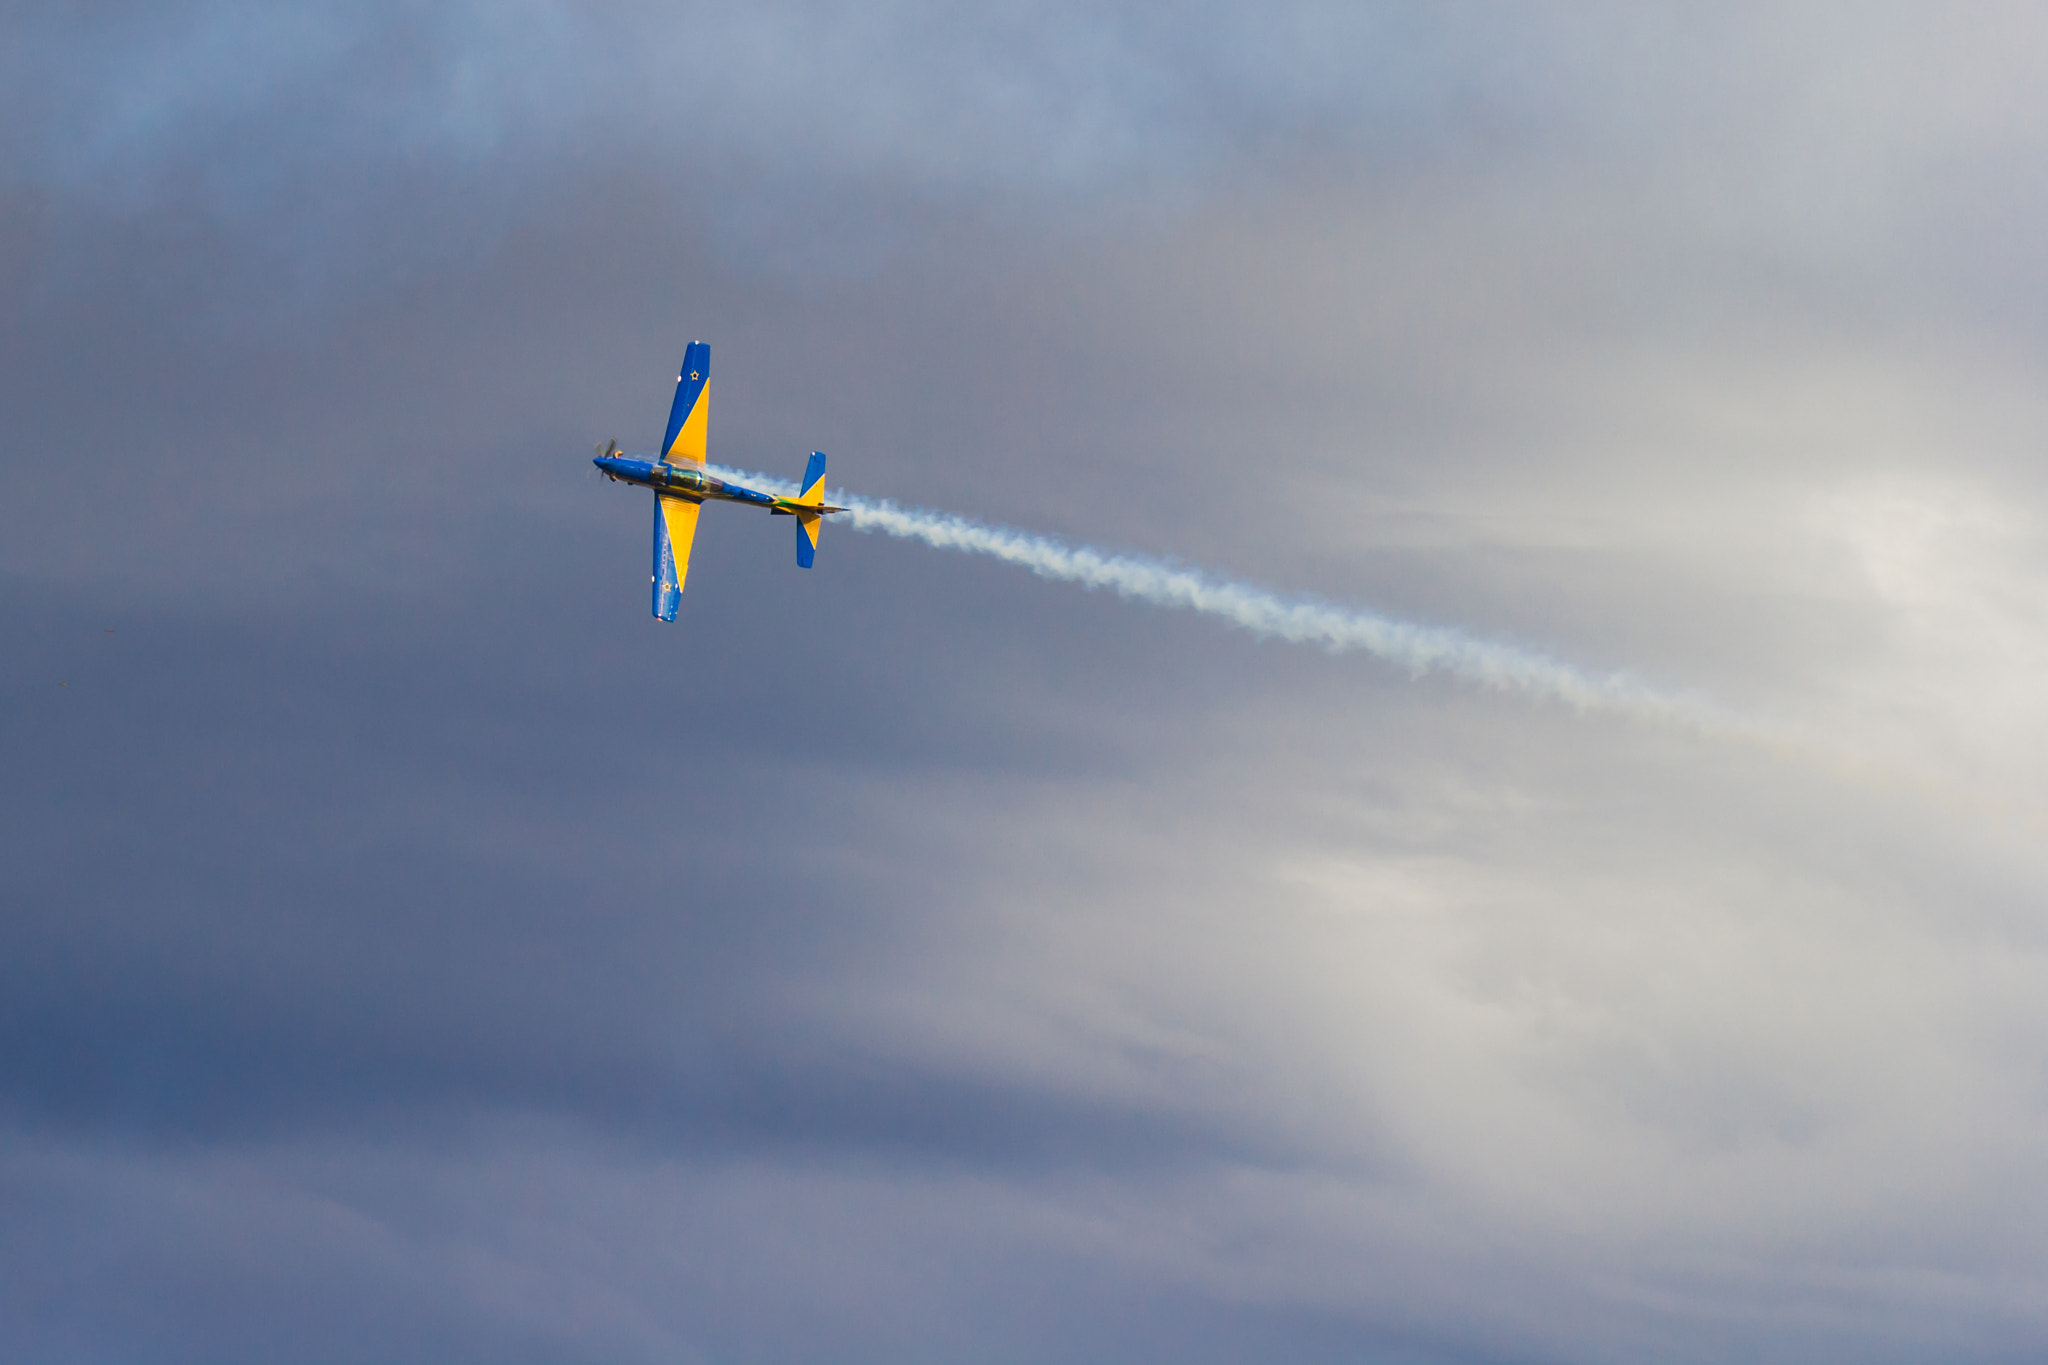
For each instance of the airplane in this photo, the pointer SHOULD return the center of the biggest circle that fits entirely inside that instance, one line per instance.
(681, 485)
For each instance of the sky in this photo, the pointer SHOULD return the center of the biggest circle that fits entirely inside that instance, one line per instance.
(412, 951)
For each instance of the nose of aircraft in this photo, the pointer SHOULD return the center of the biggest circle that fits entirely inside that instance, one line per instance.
(624, 467)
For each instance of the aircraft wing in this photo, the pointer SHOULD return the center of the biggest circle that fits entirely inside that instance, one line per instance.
(689, 417)
(675, 529)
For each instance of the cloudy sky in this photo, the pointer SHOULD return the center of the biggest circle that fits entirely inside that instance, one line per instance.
(411, 951)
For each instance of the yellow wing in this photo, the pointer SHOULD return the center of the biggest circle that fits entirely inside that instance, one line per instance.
(689, 417)
(680, 514)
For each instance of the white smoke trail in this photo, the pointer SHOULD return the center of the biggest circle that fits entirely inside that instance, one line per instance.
(1299, 620)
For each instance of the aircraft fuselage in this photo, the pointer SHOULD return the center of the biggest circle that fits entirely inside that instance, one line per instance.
(684, 481)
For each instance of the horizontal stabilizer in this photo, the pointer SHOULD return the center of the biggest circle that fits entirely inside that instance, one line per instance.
(808, 524)
(813, 485)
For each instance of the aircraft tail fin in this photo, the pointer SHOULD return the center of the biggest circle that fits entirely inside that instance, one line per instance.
(809, 523)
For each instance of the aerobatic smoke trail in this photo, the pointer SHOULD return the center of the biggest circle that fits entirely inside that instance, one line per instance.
(1299, 620)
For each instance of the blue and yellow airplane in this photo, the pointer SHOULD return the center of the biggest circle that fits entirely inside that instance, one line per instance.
(681, 485)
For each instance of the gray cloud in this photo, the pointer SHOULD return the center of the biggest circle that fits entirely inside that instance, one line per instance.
(411, 951)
